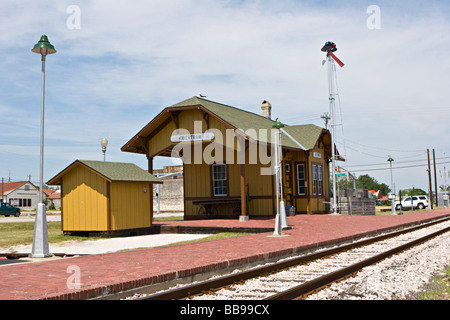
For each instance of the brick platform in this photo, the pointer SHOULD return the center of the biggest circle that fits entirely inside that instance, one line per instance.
(104, 273)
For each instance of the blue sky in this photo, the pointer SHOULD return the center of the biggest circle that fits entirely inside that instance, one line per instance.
(130, 59)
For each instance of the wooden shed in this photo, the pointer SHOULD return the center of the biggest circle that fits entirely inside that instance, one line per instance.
(226, 154)
(105, 197)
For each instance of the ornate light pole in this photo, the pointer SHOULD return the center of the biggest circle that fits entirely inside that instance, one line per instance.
(40, 239)
(104, 144)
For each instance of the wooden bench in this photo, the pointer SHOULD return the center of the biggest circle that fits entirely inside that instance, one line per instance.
(209, 207)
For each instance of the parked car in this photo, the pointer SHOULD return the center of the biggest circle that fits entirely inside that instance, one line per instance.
(419, 202)
(6, 209)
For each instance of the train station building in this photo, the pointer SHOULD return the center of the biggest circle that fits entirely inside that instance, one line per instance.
(228, 162)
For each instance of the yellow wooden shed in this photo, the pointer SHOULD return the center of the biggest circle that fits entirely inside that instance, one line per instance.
(105, 197)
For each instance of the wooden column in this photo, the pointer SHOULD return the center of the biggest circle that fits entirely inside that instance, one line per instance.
(244, 216)
(150, 170)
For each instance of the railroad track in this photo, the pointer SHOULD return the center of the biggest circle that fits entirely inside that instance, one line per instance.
(295, 278)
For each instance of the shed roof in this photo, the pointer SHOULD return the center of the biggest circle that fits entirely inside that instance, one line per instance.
(111, 171)
(235, 118)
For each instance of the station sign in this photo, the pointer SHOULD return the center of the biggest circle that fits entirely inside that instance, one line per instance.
(192, 137)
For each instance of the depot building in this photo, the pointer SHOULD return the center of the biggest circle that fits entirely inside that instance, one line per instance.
(228, 159)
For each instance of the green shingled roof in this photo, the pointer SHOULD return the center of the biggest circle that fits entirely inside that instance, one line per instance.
(306, 135)
(113, 171)
(119, 171)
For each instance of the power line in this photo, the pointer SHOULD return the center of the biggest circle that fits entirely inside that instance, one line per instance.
(393, 168)
(384, 149)
(382, 164)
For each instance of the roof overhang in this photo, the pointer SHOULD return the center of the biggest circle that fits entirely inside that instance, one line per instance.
(138, 144)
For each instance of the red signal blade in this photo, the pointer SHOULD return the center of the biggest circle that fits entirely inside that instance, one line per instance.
(336, 58)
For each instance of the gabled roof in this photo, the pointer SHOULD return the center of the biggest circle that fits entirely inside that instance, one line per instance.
(110, 171)
(7, 187)
(234, 118)
(55, 195)
(48, 192)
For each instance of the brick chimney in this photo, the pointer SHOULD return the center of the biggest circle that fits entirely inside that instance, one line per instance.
(266, 109)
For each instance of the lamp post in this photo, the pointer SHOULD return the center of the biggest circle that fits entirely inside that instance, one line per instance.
(392, 186)
(104, 144)
(280, 220)
(40, 238)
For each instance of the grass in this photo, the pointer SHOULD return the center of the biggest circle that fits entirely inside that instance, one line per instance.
(439, 288)
(21, 233)
(221, 235)
(170, 218)
(387, 211)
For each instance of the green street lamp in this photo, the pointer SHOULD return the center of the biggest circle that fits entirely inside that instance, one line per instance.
(40, 238)
(390, 160)
(280, 219)
(277, 124)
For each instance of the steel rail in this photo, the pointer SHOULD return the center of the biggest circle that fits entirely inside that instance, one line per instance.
(315, 284)
(215, 284)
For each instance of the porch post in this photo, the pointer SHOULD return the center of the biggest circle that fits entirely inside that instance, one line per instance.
(150, 170)
(244, 216)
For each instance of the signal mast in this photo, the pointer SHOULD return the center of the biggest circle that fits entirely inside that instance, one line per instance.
(329, 48)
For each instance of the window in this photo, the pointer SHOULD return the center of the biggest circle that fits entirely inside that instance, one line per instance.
(219, 177)
(317, 179)
(301, 189)
(314, 179)
(20, 202)
(287, 167)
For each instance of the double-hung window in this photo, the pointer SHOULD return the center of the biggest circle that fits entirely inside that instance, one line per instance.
(317, 179)
(219, 179)
(301, 178)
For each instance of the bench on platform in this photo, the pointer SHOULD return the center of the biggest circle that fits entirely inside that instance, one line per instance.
(209, 206)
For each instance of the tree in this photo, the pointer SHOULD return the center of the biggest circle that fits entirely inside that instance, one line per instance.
(365, 182)
(417, 192)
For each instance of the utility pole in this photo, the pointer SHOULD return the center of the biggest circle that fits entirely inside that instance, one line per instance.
(326, 117)
(435, 179)
(430, 202)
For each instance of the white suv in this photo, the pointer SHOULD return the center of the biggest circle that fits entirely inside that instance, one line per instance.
(419, 202)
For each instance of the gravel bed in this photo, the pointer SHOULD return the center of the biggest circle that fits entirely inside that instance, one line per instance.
(398, 277)
(395, 278)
